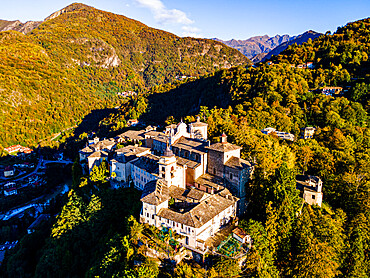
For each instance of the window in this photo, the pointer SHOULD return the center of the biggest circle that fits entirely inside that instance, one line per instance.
(231, 176)
(214, 171)
(313, 196)
(152, 216)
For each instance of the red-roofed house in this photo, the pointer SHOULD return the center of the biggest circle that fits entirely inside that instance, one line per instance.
(18, 148)
(13, 148)
(240, 235)
(133, 122)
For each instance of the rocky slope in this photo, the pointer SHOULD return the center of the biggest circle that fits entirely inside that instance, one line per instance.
(16, 25)
(300, 39)
(261, 48)
(256, 45)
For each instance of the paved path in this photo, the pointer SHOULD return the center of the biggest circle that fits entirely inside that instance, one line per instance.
(59, 133)
(37, 203)
(30, 174)
(58, 161)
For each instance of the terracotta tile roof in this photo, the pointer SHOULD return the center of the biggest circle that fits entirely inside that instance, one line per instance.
(223, 147)
(240, 232)
(13, 148)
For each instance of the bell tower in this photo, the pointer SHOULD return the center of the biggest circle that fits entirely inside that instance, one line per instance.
(167, 167)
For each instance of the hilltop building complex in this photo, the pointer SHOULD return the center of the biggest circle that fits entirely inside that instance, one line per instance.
(188, 184)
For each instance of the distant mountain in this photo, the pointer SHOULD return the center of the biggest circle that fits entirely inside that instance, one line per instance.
(16, 25)
(300, 39)
(256, 45)
(79, 58)
(261, 48)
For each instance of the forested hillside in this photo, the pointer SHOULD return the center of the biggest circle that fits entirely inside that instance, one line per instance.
(347, 48)
(94, 235)
(78, 59)
(291, 240)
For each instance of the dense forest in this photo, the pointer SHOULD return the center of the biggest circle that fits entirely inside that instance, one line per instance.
(95, 235)
(79, 60)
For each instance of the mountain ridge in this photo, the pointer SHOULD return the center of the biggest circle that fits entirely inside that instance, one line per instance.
(257, 44)
(300, 39)
(261, 48)
(16, 25)
(80, 58)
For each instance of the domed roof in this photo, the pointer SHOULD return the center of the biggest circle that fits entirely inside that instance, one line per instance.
(168, 152)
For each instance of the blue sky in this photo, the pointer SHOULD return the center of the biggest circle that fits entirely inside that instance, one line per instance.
(224, 19)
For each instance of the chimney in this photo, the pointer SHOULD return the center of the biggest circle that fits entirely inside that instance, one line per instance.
(223, 138)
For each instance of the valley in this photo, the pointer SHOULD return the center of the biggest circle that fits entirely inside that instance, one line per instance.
(154, 155)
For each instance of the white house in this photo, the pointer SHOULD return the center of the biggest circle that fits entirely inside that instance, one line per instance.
(240, 235)
(120, 168)
(196, 215)
(9, 171)
(144, 169)
(310, 188)
(10, 191)
(96, 158)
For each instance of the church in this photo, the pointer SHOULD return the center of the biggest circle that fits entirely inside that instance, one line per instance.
(188, 184)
